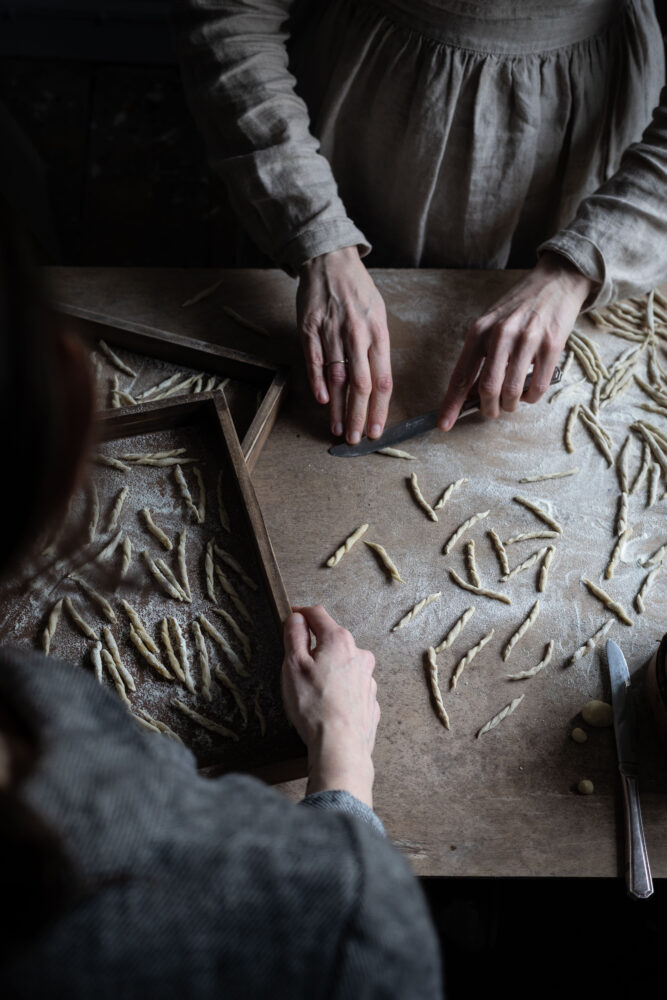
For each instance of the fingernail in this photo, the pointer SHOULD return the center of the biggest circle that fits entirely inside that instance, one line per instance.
(375, 431)
(355, 437)
(338, 429)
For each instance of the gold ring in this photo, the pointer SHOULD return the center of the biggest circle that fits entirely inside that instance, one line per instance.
(342, 361)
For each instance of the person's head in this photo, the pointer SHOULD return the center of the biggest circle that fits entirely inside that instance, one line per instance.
(46, 402)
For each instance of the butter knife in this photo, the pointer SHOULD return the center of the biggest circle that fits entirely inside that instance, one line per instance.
(413, 426)
(637, 870)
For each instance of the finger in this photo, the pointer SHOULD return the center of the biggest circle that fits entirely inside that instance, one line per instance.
(380, 364)
(337, 379)
(321, 624)
(460, 383)
(515, 375)
(314, 355)
(296, 636)
(544, 364)
(360, 389)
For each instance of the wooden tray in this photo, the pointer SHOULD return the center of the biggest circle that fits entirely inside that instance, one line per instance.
(178, 349)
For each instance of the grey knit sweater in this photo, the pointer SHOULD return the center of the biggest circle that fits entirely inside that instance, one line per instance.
(205, 888)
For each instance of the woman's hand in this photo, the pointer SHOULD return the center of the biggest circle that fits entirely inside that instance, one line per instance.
(342, 323)
(528, 326)
(329, 695)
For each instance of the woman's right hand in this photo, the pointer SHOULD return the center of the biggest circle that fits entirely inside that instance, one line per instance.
(342, 324)
(330, 697)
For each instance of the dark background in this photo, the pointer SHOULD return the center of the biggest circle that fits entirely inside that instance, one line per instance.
(92, 112)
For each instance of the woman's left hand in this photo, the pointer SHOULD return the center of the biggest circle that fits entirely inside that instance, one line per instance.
(528, 326)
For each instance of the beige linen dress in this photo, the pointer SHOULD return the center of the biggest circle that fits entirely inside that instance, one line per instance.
(439, 133)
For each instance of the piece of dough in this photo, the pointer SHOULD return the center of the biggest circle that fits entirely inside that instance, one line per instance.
(182, 563)
(95, 596)
(210, 384)
(622, 466)
(643, 590)
(395, 453)
(524, 675)
(579, 735)
(616, 553)
(161, 463)
(527, 536)
(497, 719)
(522, 629)
(550, 475)
(346, 546)
(642, 470)
(544, 568)
(585, 787)
(203, 721)
(96, 659)
(590, 643)
(108, 550)
(185, 491)
(471, 564)
(145, 724)
(622, 515)
(222, 510)
(386, 561)
(174, 661)
(247, 323)
(171, 577)
(417, 609)
(540, 513)
(657, 556)
(149, 657)
(462, 528)
(108, 662)
(178, 640)
(198, 383)
(166, 383)
(138, 626)
(94, 513)
(598, 714)
(455, 630)
(155, 530)
(238, 632)
(112, 524)
(80, 622)
(229, 560)
(51, 625)
(440, 709)
(448, 492)
(201, 506)
(225, 681)
(419, 497)
(160, 578)
(569, 427)
(500, 550)
(138, 456)
(204, 664)
(608, 601)
(526, 564)
(203, 294)
(481, 591)
(161, 727)
(654, 479)
(236, 662)
(128, 680)
(231, 592)
(259, 714)
(209, 570)
(175, 390)
(115, 360)
(127, 555)
(587, 418)
(469, 657)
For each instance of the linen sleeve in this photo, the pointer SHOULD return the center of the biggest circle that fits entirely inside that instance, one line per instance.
(618, 237)
(347, 803)
(234, 63)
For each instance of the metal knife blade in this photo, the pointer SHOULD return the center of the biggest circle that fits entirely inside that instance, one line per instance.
(413, 426)
(637, 870)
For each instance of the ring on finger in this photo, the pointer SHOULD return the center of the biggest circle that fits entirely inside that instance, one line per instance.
(340, 361)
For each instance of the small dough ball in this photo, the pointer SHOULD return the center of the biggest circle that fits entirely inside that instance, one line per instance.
(597, 713)
(585, 787)
(579, 735)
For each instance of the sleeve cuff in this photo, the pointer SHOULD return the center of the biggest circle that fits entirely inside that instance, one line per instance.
(587, 257)
(314, 242)
(347, 803)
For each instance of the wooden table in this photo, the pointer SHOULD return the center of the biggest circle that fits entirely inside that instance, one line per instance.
(505, 804)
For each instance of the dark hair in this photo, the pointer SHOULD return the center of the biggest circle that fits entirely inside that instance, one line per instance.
(46, 400)
(46, 408)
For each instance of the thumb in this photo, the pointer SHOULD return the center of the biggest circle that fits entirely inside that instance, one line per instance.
(296, 636)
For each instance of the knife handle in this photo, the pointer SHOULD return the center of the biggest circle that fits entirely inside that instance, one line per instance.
(637, 871)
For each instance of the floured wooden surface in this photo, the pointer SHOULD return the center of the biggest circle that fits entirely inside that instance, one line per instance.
(504, 804)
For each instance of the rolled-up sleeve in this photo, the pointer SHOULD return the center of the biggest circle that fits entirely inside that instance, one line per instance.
(234, 62)
(618, 237)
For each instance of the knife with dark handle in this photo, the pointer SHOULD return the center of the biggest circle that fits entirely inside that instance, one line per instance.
(637, 871)
(413, 426)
